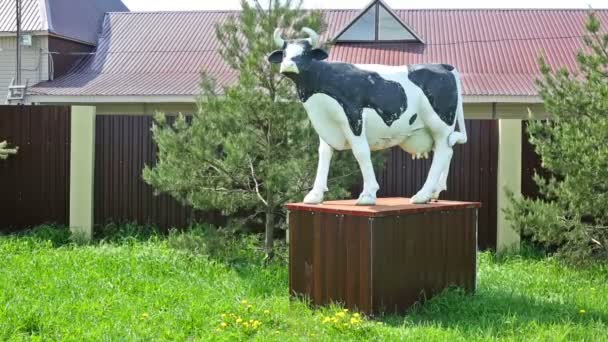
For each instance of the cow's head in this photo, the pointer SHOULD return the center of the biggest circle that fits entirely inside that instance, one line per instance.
(296, 55)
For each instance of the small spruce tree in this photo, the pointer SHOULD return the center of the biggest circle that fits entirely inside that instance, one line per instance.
(5, 151)
(249, 147)
(572, 214)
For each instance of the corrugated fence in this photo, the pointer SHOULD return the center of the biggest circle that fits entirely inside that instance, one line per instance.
(472, 177)
(35, 183)
(124, 146)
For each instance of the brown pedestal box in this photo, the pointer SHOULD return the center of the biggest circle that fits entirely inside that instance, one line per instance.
(381, 258)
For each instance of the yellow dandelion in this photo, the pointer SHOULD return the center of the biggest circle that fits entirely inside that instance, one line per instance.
(267, 312)
(356, 314)
(249, 306)
(582, 311)
(223, 324)
(340, 314)
(345, 310)
(334, 319)
(223, 315)
(239, 320)
(244, 301)
(145, 316)
(246, 325)
(326, 319)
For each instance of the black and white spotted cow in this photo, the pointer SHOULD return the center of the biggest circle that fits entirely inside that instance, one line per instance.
(372, 107)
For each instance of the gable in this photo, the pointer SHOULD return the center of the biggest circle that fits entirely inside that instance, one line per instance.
(377, 22)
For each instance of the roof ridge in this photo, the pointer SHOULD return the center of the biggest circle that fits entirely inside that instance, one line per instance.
(393, 8)
(176, 11)
(474, 9)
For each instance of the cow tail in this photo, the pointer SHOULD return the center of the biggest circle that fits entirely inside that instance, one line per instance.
(459, 137)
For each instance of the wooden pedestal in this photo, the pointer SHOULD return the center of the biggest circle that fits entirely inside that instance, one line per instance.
(381, 258)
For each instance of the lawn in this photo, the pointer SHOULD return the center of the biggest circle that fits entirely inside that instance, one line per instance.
(188, 287)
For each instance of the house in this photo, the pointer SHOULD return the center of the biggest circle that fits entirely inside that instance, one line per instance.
(148, 61)
(55, 33)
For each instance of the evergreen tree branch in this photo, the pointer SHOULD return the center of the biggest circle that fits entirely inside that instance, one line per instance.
(257, 186)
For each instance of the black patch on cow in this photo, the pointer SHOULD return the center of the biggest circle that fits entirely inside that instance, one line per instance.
(447, 67)
(413, 119)
(439, 86)
(352, 87)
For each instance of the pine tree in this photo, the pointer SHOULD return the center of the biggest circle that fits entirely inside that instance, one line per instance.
(572, 215)
(250, 146)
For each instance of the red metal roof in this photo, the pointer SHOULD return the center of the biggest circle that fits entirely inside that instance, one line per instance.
(496, 51)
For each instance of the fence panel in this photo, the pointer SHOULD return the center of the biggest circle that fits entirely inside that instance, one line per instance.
(35, 183)
(123, 146)
(473, 175)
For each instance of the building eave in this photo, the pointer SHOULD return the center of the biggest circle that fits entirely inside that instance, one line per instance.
(111, 99)
(192, 99)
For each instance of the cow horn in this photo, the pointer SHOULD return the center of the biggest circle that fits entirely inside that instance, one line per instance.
(278, 40)
(313, 37)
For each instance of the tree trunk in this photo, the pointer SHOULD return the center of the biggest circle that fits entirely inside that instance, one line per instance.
(269, 239)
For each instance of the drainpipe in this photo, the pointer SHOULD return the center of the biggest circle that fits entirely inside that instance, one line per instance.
(18, 14)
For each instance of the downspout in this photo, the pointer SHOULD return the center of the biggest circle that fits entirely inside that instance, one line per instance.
(18, 18)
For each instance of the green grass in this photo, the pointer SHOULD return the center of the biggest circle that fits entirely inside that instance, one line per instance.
(178, 287)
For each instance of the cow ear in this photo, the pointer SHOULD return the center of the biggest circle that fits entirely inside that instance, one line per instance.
(276, 57)
(318, 54)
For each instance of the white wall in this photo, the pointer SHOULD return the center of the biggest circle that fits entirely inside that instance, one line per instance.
(34, 62)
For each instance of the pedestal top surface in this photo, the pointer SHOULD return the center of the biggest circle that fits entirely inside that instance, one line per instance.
(384, 207)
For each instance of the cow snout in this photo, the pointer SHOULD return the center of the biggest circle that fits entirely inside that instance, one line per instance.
(289, 66)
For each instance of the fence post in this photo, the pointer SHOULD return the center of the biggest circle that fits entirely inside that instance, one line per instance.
(509, 177)
(82, 171)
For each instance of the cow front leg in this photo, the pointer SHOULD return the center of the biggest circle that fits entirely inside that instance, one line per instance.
(315, 196)
(362, 153)
(441, 162)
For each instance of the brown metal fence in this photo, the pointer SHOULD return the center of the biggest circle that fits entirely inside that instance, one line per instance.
(34, 184)
(530, 163)
(124, 146)
(473, 175)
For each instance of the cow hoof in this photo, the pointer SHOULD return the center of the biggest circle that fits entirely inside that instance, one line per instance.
(420, 198)
(314, 198)
(366, 199)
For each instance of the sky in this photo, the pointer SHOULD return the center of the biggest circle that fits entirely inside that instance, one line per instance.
(181, 5)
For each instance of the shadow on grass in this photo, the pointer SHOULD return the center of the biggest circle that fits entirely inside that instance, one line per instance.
(56, 235)
(492, 310)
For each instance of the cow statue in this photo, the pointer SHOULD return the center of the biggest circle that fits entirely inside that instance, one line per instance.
(372, 107)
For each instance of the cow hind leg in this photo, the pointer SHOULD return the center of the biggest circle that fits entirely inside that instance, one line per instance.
(438, 173)
(441, 185)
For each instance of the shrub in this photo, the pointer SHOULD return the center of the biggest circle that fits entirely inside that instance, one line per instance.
(572, 215)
